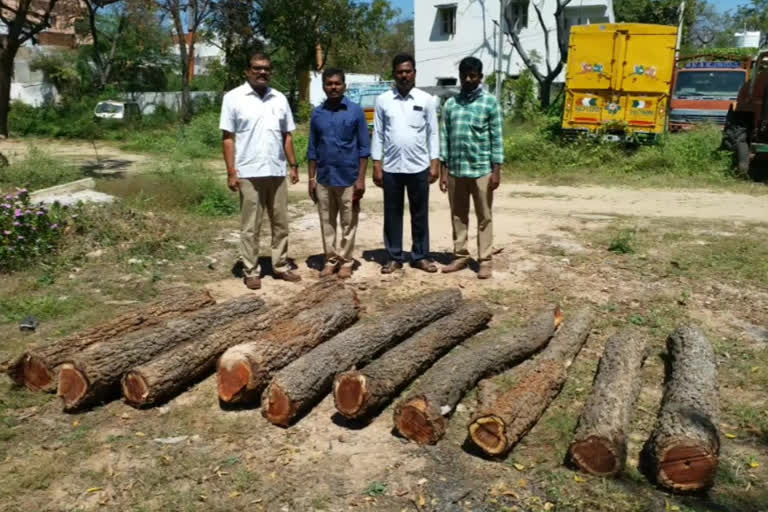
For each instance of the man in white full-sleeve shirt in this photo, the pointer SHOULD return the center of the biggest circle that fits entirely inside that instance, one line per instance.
(405, 151)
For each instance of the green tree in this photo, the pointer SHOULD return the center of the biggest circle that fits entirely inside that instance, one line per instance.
(187, 21)
(398, 38)
(23, 20)
(660, 12)
(236, 23)
(323, 27)
(546, 73)
(753, 16)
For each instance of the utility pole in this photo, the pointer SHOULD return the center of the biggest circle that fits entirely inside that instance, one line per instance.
(680, 30)
(500, 49)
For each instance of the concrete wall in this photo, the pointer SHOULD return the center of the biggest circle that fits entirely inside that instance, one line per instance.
(438, 53)
(149, 101)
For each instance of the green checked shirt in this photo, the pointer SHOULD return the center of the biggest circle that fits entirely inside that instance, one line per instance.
(470, 134)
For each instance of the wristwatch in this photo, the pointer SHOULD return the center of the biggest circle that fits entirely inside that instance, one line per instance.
(294, 165)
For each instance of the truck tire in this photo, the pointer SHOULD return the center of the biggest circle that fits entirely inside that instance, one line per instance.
(758, 168)
(736, 138)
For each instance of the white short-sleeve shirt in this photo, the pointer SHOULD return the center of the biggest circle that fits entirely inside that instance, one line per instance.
(258, 124)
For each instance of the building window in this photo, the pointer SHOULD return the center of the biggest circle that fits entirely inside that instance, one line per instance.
(447, 81)
(447, 17)
(516, 16)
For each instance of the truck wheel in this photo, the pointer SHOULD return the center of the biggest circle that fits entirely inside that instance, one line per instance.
(742, 157)
(735, 138)
(758, 169)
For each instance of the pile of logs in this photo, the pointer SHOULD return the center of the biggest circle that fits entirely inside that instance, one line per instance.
(287, 358)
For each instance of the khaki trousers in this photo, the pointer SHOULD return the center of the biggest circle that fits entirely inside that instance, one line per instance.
(258, 195)
(459, 192)
(333, 202)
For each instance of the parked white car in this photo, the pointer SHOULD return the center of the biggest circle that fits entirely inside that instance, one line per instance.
(116, 109)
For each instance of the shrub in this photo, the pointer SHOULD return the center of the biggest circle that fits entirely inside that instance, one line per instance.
(27, 232)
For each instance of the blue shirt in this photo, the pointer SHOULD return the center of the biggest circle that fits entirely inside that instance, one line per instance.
(338, 139)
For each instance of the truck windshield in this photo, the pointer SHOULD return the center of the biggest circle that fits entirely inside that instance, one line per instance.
(717, 84)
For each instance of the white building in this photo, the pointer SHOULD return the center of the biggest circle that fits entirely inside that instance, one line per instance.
(447, 31)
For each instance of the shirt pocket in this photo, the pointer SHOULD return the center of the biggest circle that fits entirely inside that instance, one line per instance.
(478, 123)
(346, 130)
(417, 120)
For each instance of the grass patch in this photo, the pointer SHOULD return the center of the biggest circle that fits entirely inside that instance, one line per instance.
(675, 250)
(44, 307)
(535, 151)
(622, 242)
(36, 171)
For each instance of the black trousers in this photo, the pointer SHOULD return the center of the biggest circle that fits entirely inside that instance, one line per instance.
(395, 186)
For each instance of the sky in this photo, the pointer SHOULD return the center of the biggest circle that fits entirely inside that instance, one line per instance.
(725, 5)
(406, 6)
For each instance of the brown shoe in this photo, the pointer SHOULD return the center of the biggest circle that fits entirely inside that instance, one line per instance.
(288, 275)
(391, 266)
(329, 269)
(252, 282)
(456, 265)
(345, 272)
(485, 271)
(425, 265)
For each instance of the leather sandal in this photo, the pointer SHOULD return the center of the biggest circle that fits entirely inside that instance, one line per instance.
(425, 265)
(391, 266)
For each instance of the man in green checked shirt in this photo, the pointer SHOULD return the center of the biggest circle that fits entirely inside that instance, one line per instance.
(471, 152)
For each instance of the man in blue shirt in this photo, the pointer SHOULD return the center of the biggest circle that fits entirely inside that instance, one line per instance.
(339, 147)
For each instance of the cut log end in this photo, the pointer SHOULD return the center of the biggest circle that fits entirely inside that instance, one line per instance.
(412, 421)
(487, 432)
(36, 374)
(687, 468)
(73, 385)
(350, 394)
(232, 380)
(135, 388)
(596, 456)
(279, 409)
(559, 318)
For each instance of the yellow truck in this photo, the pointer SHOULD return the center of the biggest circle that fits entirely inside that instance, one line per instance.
(618, 80)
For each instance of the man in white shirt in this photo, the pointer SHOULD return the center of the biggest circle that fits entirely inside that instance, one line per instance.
(405, 151)
(256, 124)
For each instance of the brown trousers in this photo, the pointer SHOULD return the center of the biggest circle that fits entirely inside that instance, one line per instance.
(459, 192)
(333, 203)
(258, 195)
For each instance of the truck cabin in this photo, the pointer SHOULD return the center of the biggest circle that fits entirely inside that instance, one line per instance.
(703, 92)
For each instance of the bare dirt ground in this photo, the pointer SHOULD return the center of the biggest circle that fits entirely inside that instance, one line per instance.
(190, 454)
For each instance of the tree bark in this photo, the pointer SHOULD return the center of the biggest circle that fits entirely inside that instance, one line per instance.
(599, 445)
(37, 368)
(500, 424)
(683, 449)
(356, 393)
(244, 371)
(298, 386)
(421, 415)
(94, 373)
(7, 56)
(314, 315)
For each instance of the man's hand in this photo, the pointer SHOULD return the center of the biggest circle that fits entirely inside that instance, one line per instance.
(378, 174)
(434, 171)
(359, 191)
(495, 180)
(232, 182)
(312, 189)
(444, 178)
(294, 175)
